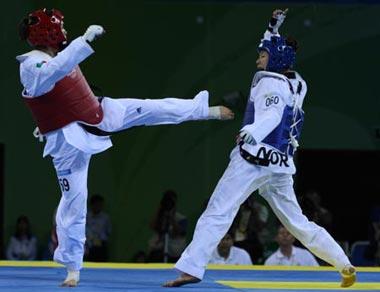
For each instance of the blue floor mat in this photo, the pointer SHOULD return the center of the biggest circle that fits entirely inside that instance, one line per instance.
(143, 278)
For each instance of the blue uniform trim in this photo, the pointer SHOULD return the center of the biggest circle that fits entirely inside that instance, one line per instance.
(249, 115)
(290, 125)
(64, 172)
(279, 137)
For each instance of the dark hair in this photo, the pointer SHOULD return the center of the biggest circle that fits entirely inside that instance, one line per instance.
(96, 198)
(292, 42)
(23, 26)
(168, 203)
(20, 219)
(230, 232)
(168, 200)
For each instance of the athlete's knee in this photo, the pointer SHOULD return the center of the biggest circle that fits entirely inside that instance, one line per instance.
(216, 217)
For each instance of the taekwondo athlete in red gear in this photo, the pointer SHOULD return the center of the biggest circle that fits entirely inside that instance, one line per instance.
(263, 160)
(68, 115)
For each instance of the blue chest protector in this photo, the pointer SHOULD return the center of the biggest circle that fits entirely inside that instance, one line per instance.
(283, 136)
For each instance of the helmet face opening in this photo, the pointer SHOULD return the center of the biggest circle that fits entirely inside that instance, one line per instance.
(45, 28)
(281, 55)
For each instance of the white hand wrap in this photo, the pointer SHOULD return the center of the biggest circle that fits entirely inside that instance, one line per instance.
(276, 22)
(214, 112)
(93, 32)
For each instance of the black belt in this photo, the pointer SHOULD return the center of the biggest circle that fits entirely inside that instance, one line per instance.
(94, 129)
(98, 132)
(251, 158)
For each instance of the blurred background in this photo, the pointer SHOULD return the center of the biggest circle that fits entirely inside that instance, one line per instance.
(156, 49)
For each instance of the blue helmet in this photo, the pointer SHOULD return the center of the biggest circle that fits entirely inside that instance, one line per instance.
(281, 55)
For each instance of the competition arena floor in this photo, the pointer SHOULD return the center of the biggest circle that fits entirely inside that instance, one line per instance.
(45, 276)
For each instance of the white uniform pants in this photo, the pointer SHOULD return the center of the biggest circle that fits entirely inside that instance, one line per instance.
(71, 164)
(239, 180)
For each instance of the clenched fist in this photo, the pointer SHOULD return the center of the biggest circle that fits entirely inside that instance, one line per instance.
(93, 32)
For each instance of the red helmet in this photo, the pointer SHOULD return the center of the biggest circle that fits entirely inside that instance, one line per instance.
(46, 28)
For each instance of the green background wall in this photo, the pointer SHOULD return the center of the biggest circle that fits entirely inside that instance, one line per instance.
(156, 49)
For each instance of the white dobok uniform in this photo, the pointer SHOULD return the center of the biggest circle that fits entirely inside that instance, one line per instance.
(71, 147)
(274, 107)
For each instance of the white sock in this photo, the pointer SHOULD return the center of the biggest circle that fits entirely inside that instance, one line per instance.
(214, 112)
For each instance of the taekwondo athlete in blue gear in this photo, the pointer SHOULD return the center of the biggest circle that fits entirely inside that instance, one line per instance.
(263, 160)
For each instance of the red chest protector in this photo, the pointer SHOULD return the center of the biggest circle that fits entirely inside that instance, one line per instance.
(69, 101)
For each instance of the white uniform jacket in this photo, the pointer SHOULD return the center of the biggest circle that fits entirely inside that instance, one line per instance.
(39, 72)
(271, 93)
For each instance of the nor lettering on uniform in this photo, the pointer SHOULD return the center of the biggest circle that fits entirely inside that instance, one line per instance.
(274, 157)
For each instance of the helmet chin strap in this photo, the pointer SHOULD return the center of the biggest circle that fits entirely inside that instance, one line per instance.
(63, 45)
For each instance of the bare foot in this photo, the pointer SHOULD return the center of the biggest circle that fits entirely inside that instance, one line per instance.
(226, 113)
(348, 276)
(69, 283)
(183, 279)
(72, 279)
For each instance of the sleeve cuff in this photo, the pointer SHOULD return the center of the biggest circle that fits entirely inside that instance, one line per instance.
(83, 46)
(268, 35)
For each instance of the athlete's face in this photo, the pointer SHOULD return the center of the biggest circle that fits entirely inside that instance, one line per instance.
(262, 60)
(284, 238)
(226, 243)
